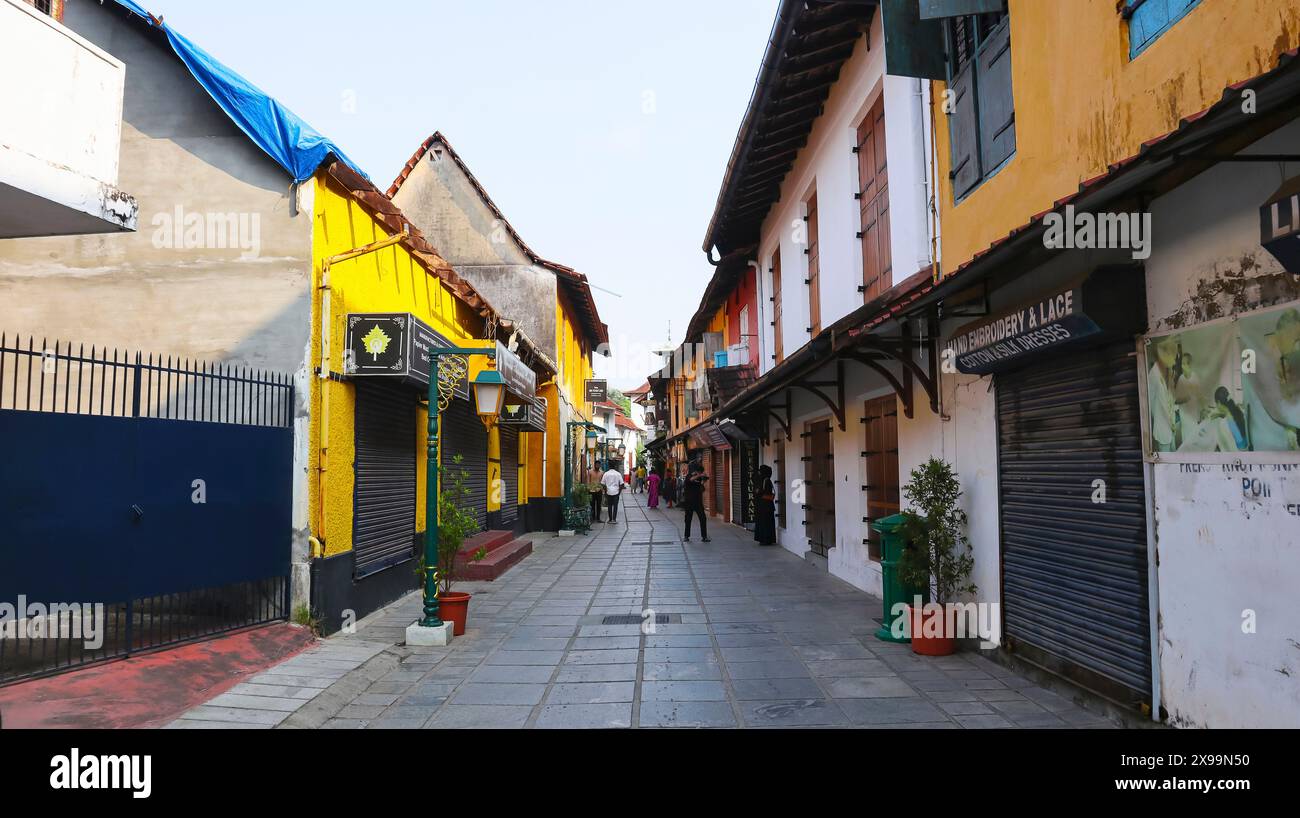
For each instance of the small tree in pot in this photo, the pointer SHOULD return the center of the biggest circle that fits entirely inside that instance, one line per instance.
(937, 555)
(456, 523)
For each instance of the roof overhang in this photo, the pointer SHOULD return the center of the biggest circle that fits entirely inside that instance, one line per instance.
(809, 44)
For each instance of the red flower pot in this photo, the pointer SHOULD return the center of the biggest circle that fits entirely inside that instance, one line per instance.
(454, 608)
(923, 622)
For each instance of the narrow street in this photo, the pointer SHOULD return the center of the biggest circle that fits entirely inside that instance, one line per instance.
(764, 640)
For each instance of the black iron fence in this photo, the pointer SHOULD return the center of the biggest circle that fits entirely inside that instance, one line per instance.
(60, 509)
(52, 377)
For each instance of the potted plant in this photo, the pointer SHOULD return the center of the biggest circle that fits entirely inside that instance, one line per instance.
(577, 517)
(455, 525)
(936, 556)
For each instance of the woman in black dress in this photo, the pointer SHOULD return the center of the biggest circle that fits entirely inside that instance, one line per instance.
(765, 508)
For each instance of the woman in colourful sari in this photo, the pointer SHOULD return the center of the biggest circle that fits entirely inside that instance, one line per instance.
(653, 500)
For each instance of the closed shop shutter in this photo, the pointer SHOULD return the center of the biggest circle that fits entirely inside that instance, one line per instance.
(509, 476)
(1075, 570)
(720, 487)
(465, 435)
(706, 460)
(383, 532)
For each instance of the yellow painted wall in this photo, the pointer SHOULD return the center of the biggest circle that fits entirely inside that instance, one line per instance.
(389, 280)
(573, 359)
(1082, 104)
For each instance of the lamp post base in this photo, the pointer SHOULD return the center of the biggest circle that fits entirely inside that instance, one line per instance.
(418, 636)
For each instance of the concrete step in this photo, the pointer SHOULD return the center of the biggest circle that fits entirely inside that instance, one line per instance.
(497, 562)
(487, 540)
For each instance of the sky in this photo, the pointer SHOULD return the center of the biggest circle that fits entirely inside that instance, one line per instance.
(601, 129)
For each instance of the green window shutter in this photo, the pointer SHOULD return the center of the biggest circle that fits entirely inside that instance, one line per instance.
(997, 112)
(913, 47)
(935, 9)
(962, 132)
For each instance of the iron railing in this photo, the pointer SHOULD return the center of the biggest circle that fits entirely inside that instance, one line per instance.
(53, 378)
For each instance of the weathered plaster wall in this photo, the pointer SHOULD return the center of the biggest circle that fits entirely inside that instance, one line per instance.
(1071, 123)
(1229, 546)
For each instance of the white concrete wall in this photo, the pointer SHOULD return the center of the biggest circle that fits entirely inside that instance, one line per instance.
(828, 166)
(62, 96)
(1226, 553)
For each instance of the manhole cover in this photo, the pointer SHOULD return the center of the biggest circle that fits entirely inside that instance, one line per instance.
(635, 619)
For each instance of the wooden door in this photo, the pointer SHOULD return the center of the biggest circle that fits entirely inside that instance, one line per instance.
(881, 421)
(873, 201)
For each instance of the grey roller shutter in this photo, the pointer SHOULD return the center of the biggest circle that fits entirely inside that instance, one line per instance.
(737, 492)
(384, 497)
(465, 435)
(1075, 571)
(509, 476)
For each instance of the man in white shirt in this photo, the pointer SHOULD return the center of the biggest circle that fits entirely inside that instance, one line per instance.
(613, 483)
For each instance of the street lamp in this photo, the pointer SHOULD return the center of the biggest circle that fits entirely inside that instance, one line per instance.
(489, 392)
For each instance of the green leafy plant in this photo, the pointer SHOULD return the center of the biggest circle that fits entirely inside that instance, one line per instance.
(456, 523)
(302, 616)
(937, 554)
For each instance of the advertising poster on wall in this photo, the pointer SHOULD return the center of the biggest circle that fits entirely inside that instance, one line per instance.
(1232, 386)
(1270, 345)
(1194, 392)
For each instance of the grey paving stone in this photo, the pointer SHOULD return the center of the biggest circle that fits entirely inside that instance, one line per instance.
(792, 713)
(345, 724)
(280, 704)
(597, 673)
(379, 699)
(823, 653)
(498, 694)
(767, 670)
(591, 693)
(769, 689)
(359, 711)
(686, 714)
(683, 640)
(983, 722)
(760, 654)
(682, 671)
(513, 674)
(601, 657)
(966, 708)
(876, 687)
(669, 655)
(890, 711)
(853, 667)
(607, 642)
(695, 691)
(480, 717)
(585, 716)
(525, 657)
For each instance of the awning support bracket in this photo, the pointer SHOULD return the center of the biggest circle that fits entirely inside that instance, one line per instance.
(836, 406)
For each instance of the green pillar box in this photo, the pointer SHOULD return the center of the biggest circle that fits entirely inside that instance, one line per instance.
(894, 592)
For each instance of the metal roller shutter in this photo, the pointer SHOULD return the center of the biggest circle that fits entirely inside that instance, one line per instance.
(1075, 571)
(383, 528)
(737, 504)
(509, 476)
(706, 460)
(465, 435)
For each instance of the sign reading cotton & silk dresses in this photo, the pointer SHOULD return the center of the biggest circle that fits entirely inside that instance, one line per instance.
(597, 391)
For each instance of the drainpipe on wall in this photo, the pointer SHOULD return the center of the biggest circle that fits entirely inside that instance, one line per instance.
(324, 372)
(1153, 586)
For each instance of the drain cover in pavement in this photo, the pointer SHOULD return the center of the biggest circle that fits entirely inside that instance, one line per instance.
(635, 619)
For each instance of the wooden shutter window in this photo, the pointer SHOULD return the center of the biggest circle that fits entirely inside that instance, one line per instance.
(997, 114)
(873, 200)
(814, 272)
(962, 132)
(880, 417)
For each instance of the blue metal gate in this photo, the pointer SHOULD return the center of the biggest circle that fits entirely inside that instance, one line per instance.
(143, 503)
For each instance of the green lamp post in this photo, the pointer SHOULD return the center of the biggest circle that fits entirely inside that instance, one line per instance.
(489, 393)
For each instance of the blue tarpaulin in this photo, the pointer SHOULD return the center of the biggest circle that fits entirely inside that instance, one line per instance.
(292, 143)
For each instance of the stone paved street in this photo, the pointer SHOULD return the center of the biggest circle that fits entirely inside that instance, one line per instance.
(764, 640)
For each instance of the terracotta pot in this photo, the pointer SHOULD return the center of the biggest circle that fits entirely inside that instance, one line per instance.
(454, 608)
(920, 622)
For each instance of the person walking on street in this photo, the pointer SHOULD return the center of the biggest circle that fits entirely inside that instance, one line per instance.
(640, 479)
(669, 486)
(594, 478)
(613, 483)
(652, 501)
(693, 501)
(765, 508)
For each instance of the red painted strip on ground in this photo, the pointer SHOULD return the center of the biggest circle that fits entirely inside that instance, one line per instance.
(149, 690)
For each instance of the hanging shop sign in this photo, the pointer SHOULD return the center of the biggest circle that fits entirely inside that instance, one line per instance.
(1109, 302)
(527, 416)
(597, 391)
(521, 382)
(1279, 225)
(709, 436)
(392, 345)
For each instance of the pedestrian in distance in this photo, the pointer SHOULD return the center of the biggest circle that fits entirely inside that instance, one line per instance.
(668, 487)
(765, 508)
(652, 501)
(693, 501)
(594, 478)
(613, 483)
